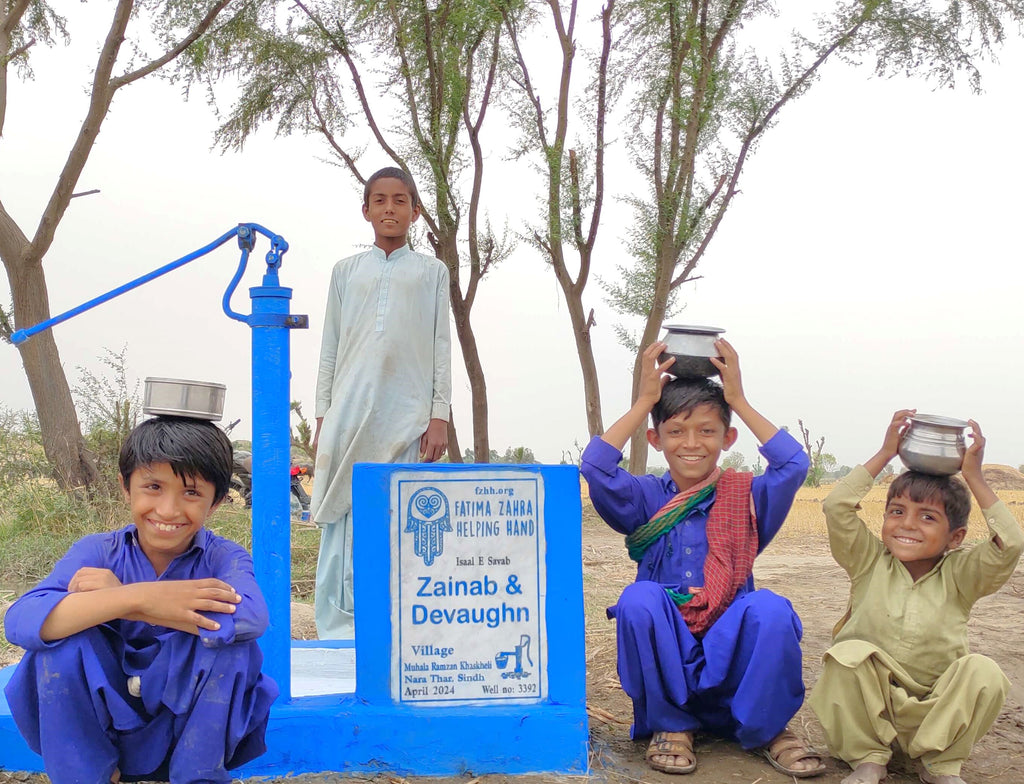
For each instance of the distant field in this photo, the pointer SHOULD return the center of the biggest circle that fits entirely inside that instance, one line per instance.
(806, 517)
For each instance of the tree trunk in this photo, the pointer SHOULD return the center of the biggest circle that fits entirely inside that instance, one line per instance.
(454, 452)
(63, 444)
(585, 351)
(475, 371)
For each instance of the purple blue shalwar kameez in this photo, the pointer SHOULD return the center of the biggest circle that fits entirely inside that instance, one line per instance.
(204, 703)
(741, 680)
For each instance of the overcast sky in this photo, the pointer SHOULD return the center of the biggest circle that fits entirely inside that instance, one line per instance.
(871, 262)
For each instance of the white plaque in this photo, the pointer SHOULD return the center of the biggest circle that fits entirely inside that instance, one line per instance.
(468, 587)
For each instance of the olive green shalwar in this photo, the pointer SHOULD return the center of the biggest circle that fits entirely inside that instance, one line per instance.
(899, 668)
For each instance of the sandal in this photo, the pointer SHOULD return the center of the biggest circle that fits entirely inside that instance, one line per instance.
(786, 749)
(672, 744)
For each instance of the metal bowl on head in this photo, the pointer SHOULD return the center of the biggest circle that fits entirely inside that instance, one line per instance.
(177, 397)
(933, 445)
(692, 347)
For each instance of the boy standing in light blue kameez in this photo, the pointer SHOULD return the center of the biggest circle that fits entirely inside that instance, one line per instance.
(384, 387)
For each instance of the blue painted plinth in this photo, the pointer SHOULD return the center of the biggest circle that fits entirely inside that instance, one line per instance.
(318, 734)
(374, 730)
(344, 734)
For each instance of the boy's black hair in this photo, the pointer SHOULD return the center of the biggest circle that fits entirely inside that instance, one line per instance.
(192, 447)
(949, 490)
(682, 395)
(392, 173)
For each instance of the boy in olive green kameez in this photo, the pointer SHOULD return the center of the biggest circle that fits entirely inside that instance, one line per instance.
(899, 669)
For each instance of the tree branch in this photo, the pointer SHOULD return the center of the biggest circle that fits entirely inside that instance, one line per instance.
(7, 24)
(173, 53)
(342, 48)
(755, 132)
(602, 110)
(478, 270)
(99, 104)
(10, 20)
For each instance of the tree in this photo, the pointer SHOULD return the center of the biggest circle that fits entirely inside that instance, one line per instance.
(702, 101)
(519, 455)
(110, 406)
(758, 468)
(821, 462)
(434, 67)
(302, 435)
(735, 460)
(176, 26)
(568, 189)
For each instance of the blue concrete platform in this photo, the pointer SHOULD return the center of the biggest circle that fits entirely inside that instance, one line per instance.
(342, 733)
(382, 724)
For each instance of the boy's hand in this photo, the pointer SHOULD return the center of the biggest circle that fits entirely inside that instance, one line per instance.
(971, 468)
(91, 578)
(975, 453)
(894, 433)
(177, 604)
(728, 364)
(652, 374)
(434, 443)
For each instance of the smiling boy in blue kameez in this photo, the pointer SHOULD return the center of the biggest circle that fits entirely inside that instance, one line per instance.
(142, 660)
(698, 648)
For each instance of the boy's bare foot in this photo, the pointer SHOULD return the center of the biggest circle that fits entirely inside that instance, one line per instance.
(866, 773)
(931, 778)
(672, 752)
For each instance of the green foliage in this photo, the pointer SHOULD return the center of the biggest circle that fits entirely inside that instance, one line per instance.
(21, 449)
(39, 522)
(6, 324)
(735, 460)
(320, 67)
(519, 455)
(821, 464)
(302, 435)
(40, 24)
(701, 99)
(109, 406)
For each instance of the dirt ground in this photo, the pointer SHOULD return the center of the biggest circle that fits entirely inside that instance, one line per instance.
(797, 565)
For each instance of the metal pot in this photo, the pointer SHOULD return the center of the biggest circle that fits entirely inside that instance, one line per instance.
(933, 445)
(176, 397)
(691, 346)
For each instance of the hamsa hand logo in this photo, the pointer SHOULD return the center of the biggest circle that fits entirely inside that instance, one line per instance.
(428, 519)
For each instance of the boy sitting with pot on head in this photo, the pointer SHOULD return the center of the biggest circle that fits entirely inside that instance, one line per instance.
(142, 660)
(899, 670)
(698, 648)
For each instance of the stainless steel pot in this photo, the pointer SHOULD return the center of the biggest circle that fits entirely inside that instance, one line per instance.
(692, 346)
(177, 397)
(933, 445)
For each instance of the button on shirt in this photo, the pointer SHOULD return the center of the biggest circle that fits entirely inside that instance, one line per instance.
(676, 560)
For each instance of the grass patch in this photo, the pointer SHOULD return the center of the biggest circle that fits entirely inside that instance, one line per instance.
(37, 526)
(39, 523)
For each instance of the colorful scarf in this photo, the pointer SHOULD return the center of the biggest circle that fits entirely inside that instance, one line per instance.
(732, 543)
(669, 516)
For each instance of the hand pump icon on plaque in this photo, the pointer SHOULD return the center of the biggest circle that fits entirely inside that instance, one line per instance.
(523, 649)
(428, 520)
